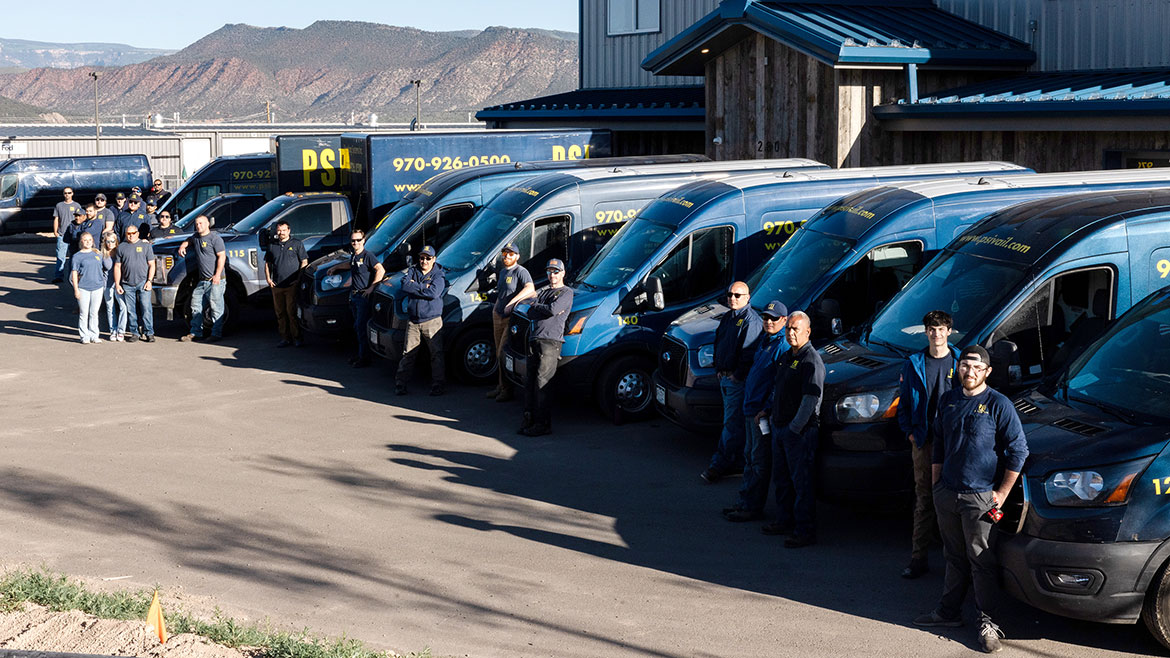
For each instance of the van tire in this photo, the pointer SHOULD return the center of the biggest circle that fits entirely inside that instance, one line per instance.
(474, 353)
(625, 389)
(1156, 611)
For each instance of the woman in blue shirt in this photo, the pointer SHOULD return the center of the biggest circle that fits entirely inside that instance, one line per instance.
(88, 276)
(114, 301)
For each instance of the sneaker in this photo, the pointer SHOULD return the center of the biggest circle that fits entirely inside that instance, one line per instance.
(933, 618)
(115, 338)
(85, 341)
(711, 476)
(148, 338)
(538, 429)
(283, 343)
(214, 339)
(437, 390)
(129, 338)
(915, 569)
(187, 338)
(95, 341)
(989, 636)
(525, 423)
(400, 389)
(776, 529)
(800, 541)
(741, 515)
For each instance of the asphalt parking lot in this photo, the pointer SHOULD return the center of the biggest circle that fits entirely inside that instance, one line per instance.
(284, 484)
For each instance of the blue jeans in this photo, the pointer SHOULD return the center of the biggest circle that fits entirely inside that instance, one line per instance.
(137, 302)
(757, 469)
(88, 305)
(115, 302)
(62, 257)
(359, 306)
(729, 453)
(213, 295)
(792, 471)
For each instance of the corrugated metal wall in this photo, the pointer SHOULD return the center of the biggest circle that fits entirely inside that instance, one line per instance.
(616, 61)
(163, 152)
(1079, 34)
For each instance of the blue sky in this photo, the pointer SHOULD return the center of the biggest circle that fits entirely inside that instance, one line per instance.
(177, 24)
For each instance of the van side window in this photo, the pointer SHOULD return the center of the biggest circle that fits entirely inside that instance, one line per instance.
(550, 239)
(439, 227)
(698, 267)
(1061, 316)
(310, 220)
(204, 193)
(856, 294)
(8, 186)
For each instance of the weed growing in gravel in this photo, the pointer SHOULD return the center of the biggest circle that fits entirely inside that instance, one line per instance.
(58, 593)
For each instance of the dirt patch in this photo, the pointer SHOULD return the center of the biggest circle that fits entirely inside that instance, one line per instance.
(36, 628)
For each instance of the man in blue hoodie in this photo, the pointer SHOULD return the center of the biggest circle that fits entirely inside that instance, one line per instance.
(757, 391)
(423, 286)
(735, 346)
(926, 375)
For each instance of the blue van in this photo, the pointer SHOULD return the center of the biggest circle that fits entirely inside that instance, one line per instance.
(567, 215)
(428, 215)
(852, 258)
(1031, 282)
(1086, 532)
(685, 247)
(31, 187)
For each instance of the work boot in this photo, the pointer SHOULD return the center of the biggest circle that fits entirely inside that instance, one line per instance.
(491, 395)
(538, 429)
(437, 390)
(504, 395)
(525, 423)
(915, 569)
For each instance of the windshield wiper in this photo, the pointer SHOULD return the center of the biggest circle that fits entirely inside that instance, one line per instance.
(890, 346)
(1124, 415)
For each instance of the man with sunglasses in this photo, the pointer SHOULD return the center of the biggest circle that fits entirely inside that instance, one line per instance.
(735, 348)
(165, 228)
(977, 434)
(105, 215)
(548, 312)
(423, 286)
(63, 214)
(283, 261)
(133, 272)
(366, 271)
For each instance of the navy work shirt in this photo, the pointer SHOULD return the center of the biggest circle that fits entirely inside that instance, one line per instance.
(800, 373)
(735, 341)
(75, 229)
(135, 259)
(201, 254)
(284, 261)
(762, 375)
(159, 232)
(549, 313)
(973, 436)
(509, 281)
(424, 293)
(362, 268)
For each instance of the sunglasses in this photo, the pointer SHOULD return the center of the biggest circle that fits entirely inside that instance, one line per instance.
(426, 258)
(356, 241)
(131, 232)
(736, 294)
(165, 215)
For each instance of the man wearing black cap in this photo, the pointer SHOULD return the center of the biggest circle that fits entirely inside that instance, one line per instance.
(548, 313)
(757, 388)
(84, 221)
(513, 284)
(977, 433)
(106, 217)
(423, 285)
(151, 221)
(283, 262)
(796, 408)
(119, 203)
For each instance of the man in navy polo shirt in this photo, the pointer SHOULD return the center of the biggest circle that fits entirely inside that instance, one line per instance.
(366, 271)
(513, 285)
(283, 262)
(133, 272)
(977, 433)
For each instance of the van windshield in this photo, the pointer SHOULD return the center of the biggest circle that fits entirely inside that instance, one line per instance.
(265, 214)
(1129, 367)
(965, 286)
(795, 266)
(392, 226)
(633, 245)
(481, 235)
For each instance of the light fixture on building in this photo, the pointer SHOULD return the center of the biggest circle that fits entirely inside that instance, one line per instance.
(704, 51)
(717, 140)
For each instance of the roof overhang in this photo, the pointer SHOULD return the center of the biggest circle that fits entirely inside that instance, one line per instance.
(637, 108)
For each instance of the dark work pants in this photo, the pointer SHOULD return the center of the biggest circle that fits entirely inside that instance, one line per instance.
(925, 527)
(359, 305)
(970, 561)
(416, 334)
(284, 302)
(757, 468)
(543, 354)
(792, 471)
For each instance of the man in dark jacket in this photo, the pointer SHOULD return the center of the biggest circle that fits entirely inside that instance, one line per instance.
(735, 345)
(757, 470)
(548, 314)
(423, 285)
(926, 375)
(796, 406)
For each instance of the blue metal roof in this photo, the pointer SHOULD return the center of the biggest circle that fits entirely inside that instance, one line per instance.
(836, 32)
(1132, 92)
(638, 103)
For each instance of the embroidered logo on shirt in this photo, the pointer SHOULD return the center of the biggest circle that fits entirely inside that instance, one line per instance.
(138, 249)
(203, 243)
(508, 280)
(740, 323)
(794, 365)
(981, 409)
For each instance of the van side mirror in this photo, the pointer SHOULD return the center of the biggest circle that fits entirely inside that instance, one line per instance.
(655, 299)
(1005, 364)
(264, 236)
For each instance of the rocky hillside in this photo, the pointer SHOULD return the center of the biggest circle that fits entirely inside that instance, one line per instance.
(328, 71)
(21, 54)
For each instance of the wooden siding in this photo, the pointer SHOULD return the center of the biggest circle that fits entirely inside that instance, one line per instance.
(608, 62)
(1048, 151)
(1078, 34)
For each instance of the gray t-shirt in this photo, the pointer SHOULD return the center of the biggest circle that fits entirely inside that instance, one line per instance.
(63, 211)
(106, 215)
(509, 281)
(201, 251)
(135, 259)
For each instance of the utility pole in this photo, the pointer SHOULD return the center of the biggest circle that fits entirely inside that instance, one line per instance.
(97, 126)
(417, 105)
(268, 110)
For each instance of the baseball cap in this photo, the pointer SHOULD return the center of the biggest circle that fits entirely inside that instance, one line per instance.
(775, 309)
(556, 265)
(78, 211)
(977, 354)
(511, 246)
(134, 199)
(99, 197)
(120, 196)
(152, 200)
(427, 251)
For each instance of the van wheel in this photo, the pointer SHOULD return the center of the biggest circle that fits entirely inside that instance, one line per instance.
(476, 357)
(625, 389)
(1156, 611)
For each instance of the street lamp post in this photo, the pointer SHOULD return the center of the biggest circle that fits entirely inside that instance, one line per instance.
(417, 105)
(97, 126)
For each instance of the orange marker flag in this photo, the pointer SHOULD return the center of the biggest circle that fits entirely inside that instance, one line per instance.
(154, 617)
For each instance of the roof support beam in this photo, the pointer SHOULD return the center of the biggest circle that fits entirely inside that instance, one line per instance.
(912, 79)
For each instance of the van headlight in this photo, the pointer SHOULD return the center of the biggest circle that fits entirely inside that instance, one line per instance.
(576, 322)
(335, 281)
(707, 356)
(868, 406)
(1096, 486)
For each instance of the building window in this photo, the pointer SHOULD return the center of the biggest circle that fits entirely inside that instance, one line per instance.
(634, 16)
